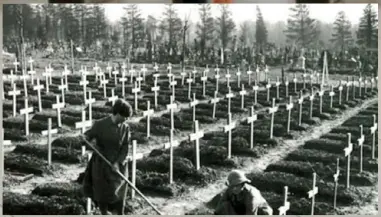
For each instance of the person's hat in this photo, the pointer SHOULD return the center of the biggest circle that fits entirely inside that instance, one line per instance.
(237, 177)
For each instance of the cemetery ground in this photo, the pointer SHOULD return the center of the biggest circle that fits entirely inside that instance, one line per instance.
(203, 134)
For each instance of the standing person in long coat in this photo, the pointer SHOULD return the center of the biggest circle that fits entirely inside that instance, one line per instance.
(112, 134)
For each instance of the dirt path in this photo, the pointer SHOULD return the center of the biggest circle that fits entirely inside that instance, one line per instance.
(198, 197)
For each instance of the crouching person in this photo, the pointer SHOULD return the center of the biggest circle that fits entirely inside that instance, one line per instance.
(241, 198)
(101, 183)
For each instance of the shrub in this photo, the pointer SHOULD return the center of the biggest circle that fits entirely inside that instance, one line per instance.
(275, 182)
(58, 154)
(324, 171)
(308, 155)
(20, 204)
(28, 164)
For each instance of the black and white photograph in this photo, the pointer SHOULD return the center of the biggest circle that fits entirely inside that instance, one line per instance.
(190, 109)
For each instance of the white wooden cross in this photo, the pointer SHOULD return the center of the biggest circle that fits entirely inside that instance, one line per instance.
(239, 77)
(286, 84)
(193, 105)
(360, 86)
(123, 80)
(169, 67)
(286, 205)
(336, 180)
(109, 69)
(266, 71)
(183, 74)
(217, 77)
(277, 84)
(88, 201)
(289, 108)
(104, 82)
(96, 68)
(90, 102)
(173, 84)
(313, 192)
(115, 74)
(172, 106)
(49, 133)
(113, 97)
(135, 91)
(347, 85)
(311, 98)
(255, 89)
(229, 95)
(85, 73)
(12, 77)
(189, 81)
(25, 77)
(295, 80)
(228, 129)
(98, 73)
(228, 76)
(14, 93)
(272, 112)
(47, 75)
(50, 70)
(39, 87)
(58, 106)
(194, 72)
(83, 126)
(373, 130)
(132, 73)
(32, 73)
(311, 79)
(250, 120)
(365, 85)
(331, 94)
(371, 84)
(171, 144)
(134, 158)
(204, 79)
(155, 89)
(84, 83)
(353, 88)
(249, 73)
(268, 87)
(15, 63)
(321, 94)
(144, 70)
(156, 67)
(215, 100)
(347, 151)
(243, 92)
(300, 102)
(360, 142)
(148, 114)
(65, 73)
(123, 66)
(304, 80)
(257, 75)
(25, 111)
(139, 79)
(340, 91)
(196, 136)
(62, 87)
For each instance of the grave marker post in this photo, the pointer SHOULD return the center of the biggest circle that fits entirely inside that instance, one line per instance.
(348, 150)
(49, 133)
(196, 136)
(250, 120)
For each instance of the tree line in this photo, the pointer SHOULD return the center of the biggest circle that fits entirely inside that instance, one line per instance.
(167, 39)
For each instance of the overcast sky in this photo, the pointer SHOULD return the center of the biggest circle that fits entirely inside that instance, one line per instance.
(242, 12)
